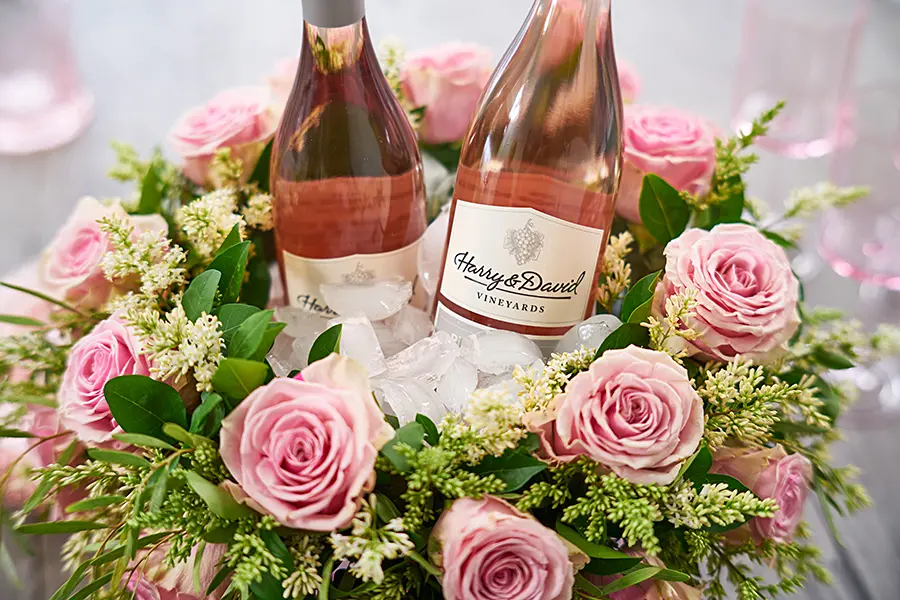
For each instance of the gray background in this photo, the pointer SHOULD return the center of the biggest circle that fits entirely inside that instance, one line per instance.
(149, 60)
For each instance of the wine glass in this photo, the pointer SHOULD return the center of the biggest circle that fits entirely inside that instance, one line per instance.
(804, 53)
(43, 102)
(862, 241)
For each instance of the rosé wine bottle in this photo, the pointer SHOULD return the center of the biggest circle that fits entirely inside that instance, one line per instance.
(537, 182)
(346, 177)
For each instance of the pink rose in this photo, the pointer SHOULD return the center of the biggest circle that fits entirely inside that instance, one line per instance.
(629, 82)
(633, 411)
(650, 589)
(109, 351)
(238, 119)
(21, 304)
(144, 588)
(746, 293)
(447, 80)
(304, 451)
(71, 265)
(770, 473)
(281, 81)
(487, 550)
(180, 578)
(677, 146)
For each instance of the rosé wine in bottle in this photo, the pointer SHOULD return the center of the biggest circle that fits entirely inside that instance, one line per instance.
(346, 178)
(537, 181)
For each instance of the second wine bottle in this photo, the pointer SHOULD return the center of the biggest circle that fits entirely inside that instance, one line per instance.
(535, 192)
(346, 177)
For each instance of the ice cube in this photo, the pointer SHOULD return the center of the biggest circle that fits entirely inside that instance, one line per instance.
(431, 252)
(407, 397)
(505, 380)
(300, 323)
(588, 334)
(282, 357)
(376, 301)
(390, 345)
(410, 325)
(498, 352)
(457, 384)
(427, 360)
(359, 342)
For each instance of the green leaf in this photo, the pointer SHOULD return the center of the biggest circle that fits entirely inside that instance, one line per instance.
(55, 527)
(23, 321)
(832, 360)
(15, 433)
(158, 485)
(696, 467)
(640, 294)
(43, 297)
(611, 566)
(581, 583)
(236, 377)
(181, 434)
(222, 535)
(590, 548)
(142, 405)
(629, 579)
(28, 399)
(412, 434)
(151, 193)
(828, 513)
(641, 313)
(728, 211)
(627, 334)
(249, 335)
(95, 503)
(326, 344)
(117, 457)
(219, 501)
(198, 565)
(515, 469)
(260, 175)
(201, 294)
(144, 441)
(276, 546)
(231, 316)
(259, 279)
(88, 590)
(232, 263)
(325, 586)
(385, 508)
(39, 495)
(272, 332)
(232, 239)
(393, 421)
(663, 211)
(432, 435)
(672, 575)
(210, 400)
(779, 239)
(731, 482)
(219, 579)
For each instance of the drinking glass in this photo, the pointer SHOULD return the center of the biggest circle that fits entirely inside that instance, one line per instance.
(43, 103)
(804, 53)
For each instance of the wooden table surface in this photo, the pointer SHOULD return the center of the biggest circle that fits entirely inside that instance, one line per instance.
(149, 60)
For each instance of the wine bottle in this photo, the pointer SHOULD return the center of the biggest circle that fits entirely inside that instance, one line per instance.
(539, 171)
(346, 176)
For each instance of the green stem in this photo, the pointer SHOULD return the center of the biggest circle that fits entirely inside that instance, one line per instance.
(423, 562)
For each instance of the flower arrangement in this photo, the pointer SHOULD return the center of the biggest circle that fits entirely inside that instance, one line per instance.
(150, 412)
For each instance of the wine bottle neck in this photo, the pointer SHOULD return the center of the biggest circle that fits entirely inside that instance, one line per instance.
(333, 13)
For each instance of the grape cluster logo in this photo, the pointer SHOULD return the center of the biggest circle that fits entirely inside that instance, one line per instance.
(360, 276)
(524, 244)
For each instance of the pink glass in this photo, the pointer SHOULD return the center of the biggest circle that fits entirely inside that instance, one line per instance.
(802, 52)
(43, 103)
(862, 241)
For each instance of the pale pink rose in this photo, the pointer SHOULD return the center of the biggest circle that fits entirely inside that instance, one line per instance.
(21, 304)
(629, 82)
(304, 451)
(144, 588)
(239, 119)
(71, 265)
(650, 589)
(633, 411)
(770, 473)
(677, 146)
(110, 350)
(281, 81)
(447, 80)
(487, 550)
(180, 578)
(746, 293)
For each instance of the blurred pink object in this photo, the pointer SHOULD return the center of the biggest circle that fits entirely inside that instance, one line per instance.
(43, 102)
(803, 52)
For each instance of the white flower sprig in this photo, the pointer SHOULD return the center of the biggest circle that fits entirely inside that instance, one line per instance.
(151, 257)
(207, 221)
(616, 270)
(258, 212)
(671, 333)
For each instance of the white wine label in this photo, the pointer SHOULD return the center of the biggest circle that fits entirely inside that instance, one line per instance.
(305, 275)
(519, 265)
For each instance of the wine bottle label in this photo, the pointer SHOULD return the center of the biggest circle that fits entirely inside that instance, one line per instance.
(518, 266)
(304, 276)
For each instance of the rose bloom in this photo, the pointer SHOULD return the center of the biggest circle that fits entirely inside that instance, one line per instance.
(304, 450)
(629, 82)
(746, 292)
(447, 80)
(650, 589)
(239, 119)
(677, 146)
(487, 550)
(70, 267)
(110, 350)
(634, 411)
(770, 473)
(281, 81)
